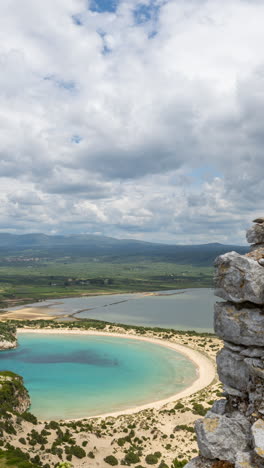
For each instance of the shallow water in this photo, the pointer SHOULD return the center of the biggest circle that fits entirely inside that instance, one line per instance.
(71, 376)
(190, 309)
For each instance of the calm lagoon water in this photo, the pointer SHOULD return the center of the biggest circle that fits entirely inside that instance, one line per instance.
(190, 309)
(76, 376)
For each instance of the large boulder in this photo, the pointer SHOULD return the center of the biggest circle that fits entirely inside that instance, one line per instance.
(199, 462)
(244, 460)
(258, 437)
(223, 437)
(232, 370)
(240, 325)
(255, 235)
(239, 278)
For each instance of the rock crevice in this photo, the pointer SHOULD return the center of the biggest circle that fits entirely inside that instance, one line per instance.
(233, 430)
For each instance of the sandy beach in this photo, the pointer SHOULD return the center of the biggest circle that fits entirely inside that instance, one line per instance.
(205, 367)
(166, 425)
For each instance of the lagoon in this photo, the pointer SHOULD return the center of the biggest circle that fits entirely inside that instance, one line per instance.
(73, 376)
(190, 309)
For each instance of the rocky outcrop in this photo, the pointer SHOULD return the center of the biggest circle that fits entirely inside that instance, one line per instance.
(8, 338)
(14, 396)
(6, 344)
(233, 430)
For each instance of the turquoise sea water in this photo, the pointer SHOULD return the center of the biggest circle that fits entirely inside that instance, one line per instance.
(73, 376)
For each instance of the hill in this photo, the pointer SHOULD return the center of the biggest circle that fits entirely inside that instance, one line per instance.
(109, 249)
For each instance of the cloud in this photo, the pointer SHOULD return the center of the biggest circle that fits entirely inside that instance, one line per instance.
(132, 118)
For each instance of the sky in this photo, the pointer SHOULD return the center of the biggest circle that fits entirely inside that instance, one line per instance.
(132, 119)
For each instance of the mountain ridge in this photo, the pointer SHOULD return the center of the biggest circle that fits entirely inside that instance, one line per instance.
(110, 248)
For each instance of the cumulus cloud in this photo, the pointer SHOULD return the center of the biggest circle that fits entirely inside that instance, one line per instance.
(132, 118)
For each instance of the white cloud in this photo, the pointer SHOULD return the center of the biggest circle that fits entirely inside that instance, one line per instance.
(104, 119)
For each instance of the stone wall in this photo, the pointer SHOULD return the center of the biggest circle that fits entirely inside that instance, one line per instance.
(232, 432)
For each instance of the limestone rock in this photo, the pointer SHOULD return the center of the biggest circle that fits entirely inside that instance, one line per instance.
(259, 220)
(244, 460)
(258, 437)
(255, 235)
(253, 352)
(219, 406)
(199, 462)
(232, 370)
(239, 278)
(256, 367)
(232, 432)
(222, 437)
(233, 392)
(234, 347)
(243, 326)
(5, 344)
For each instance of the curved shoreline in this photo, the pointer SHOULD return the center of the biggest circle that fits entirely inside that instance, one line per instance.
(205, 367)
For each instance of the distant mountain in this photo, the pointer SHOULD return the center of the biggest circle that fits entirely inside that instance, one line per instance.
(110, 249)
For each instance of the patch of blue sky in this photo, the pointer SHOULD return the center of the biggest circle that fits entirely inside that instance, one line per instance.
(203, 173)
(77, 20)
(146, 12)
(69, 85)
(76, 139)
(102, 6)
(105, 49)
(152, 34)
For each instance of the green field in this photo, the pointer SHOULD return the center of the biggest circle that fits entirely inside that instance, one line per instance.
(30, 281)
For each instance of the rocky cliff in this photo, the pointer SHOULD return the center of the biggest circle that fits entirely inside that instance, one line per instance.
(232, 432)
(14, 396)
(8, 338)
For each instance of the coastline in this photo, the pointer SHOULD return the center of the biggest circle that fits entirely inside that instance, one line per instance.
(25, 311)
(206, 371)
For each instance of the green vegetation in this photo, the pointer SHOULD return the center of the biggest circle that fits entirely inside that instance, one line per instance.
(23, 283)
(7, 332)
(27, 416)
(184, 427)
(76, 451)
(86, 324)
(14, 457)
(12, 391)
(111, 460)
(199, 409)
(178, 463)
(131, 458)
(153, 459)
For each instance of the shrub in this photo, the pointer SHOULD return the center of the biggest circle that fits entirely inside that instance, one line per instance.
(152, 459)
(163, 465)
(52, 425)
(27, 416)
(64, 465)
(199, 409)
(183, 427)
(111, 460)
(179, 406)
(131, 457)
(76, 451)
(22, 440)
(178, 463)
(121, 441)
